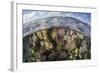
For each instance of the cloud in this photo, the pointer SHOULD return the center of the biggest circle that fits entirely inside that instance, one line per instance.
(33, 15)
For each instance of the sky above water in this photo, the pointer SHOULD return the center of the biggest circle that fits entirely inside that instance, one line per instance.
(32, 15)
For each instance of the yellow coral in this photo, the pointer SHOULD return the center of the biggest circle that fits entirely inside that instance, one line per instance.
(41, 42)
(53, 34)
(39, 35)
(44, 34)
